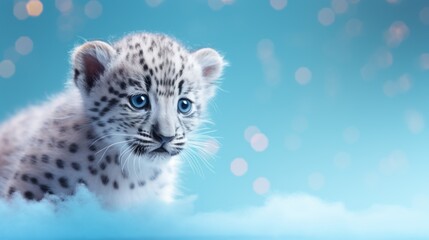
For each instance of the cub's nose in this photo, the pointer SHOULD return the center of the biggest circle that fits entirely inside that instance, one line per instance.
(161, 138)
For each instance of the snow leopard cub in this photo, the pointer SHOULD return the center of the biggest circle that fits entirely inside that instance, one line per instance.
(120, 126)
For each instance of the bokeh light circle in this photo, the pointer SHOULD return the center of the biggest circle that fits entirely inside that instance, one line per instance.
(383, 58)
(215, 4)
(153, 3)
(239, 167)
(424, 61)
(351, 135)
(64, 6)
(20, 10)
(34, 8)
(393, 1)
(261, 185)
(249, 132)
(7, 69)
(24, 45)
(316, 181)
(93, 9)
(353, 27)
(395, 162)
(342, 160)
(259, 142)
(424, 15)
(326, 16)
(265, 49)
(303, 75)
(402, 85)
(396, 34)
(415, 121)
(278, 4)
(339, 6)
(211, 146)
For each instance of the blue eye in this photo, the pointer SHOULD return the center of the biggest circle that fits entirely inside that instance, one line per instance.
(139, 101)
(184, 105)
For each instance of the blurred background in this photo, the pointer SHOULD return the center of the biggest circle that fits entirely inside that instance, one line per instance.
(328, 98)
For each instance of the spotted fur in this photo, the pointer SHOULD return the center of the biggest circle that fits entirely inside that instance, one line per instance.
(90, 134)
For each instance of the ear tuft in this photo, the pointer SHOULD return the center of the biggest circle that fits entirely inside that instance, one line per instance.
(89, 62)
(211, 63)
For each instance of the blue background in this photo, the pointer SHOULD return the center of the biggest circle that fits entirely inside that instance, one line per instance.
(355, 104)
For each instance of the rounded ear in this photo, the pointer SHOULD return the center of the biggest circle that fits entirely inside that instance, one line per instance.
(89, 63)
(212, 65)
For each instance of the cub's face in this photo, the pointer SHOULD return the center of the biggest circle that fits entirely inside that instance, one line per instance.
(146, 94)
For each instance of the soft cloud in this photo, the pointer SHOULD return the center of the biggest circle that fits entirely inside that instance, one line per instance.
(300, 215)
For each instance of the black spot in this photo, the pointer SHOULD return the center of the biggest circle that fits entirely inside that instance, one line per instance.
(45, 188)
(91, 158)
(142, 183)
(11, 190)
(92, 148)
(103, 166)
(90, 135)
(114, 101)
(76, 74)
(108, 159)
(103, 98)
(123, 85)
(29, 195)
(148, 82)
(33, 159)
(145, 67)
(132, 185)
(115, 185)
(180, 86)
(63, 129)
(75, 166)
(24, 177)
(73, 148)
(49, 175)
(60, 163)
(155, 174)
(34, 180)
(92, 170)
(76, 127)
(61, 144)
(63, 182)
(112, 91)
(81, 181)
(45, 158)
(104, 179)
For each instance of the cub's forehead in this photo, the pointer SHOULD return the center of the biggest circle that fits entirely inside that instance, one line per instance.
(155, 62)
(151, 49)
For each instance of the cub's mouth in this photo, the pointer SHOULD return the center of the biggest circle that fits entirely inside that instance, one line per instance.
(141, 147)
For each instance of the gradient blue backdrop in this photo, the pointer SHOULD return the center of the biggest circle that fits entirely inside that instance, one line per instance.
(354, 133)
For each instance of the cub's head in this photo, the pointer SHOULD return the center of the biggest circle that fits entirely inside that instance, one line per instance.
(146, 94)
